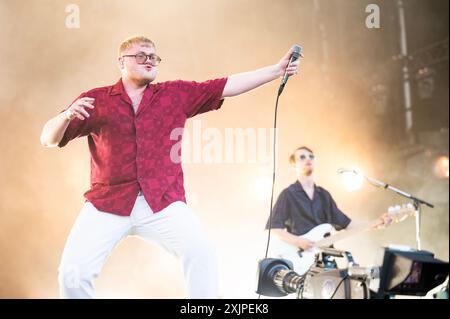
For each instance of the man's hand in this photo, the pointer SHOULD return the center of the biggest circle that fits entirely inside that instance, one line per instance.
(77, 108)
(384, 221)
(292, 69)
(244, 82)
(304, 243)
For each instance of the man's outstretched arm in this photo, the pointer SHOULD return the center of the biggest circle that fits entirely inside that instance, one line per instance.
(243, 82)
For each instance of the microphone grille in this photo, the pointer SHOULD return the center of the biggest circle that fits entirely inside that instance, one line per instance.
(297, 51)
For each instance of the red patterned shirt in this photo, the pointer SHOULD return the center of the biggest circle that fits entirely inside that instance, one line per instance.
(132, 151)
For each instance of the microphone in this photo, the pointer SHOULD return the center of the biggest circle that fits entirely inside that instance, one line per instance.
(295, 55)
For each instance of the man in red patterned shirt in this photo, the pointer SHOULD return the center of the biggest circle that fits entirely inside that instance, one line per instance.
(136, 181)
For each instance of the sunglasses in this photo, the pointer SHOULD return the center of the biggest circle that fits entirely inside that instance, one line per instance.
(303, 157)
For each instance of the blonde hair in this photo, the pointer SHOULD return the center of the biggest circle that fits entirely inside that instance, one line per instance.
(292, 157)
(137, 39)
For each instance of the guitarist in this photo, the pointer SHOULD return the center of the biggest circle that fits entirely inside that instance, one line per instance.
(304, 205)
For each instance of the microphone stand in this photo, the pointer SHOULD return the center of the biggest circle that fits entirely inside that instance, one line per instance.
(417, 202)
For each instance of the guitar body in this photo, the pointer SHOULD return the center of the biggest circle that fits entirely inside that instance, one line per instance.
(302, 260)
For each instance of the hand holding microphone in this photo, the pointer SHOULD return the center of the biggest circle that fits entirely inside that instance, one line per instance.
(289, 64)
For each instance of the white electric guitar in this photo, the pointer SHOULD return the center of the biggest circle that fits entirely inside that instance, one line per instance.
(325, 235)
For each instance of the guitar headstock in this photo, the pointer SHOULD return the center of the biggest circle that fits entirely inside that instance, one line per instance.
(399, 213)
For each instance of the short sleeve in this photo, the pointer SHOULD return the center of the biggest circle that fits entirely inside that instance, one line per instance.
(77, 128)
(280, 212)
(338, 217)
(201, 97)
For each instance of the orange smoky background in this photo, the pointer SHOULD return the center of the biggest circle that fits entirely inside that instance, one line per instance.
(346, 104)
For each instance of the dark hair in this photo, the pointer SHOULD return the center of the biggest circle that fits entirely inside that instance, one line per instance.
(292, 157)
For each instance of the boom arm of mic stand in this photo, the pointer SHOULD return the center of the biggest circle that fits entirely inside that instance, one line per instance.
(378, 183)
(417, 203)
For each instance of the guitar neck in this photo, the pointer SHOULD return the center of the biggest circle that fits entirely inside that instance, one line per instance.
(397, 213)
(330, 240)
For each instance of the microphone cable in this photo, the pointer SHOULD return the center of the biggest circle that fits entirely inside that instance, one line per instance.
(273, 176)
(296, 54)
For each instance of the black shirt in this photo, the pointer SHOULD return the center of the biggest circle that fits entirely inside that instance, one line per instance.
(296, 212)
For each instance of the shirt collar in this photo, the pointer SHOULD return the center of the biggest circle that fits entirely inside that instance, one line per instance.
(118, 89)
(300, 187)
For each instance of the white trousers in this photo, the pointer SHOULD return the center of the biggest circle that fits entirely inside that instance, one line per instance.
(95, 234)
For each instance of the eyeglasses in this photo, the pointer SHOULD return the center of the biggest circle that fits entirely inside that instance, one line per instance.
(141, 58)
(303, 157)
